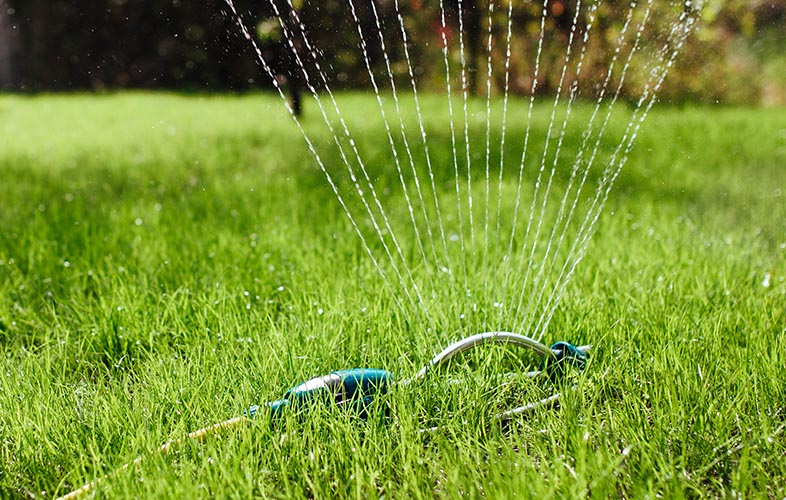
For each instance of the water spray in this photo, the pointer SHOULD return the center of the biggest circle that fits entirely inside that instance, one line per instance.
(356, 389)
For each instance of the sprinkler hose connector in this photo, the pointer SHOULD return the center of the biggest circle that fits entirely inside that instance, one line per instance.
(565, 354)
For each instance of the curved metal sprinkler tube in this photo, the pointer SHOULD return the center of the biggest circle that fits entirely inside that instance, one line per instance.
(552, 356)
(468, 343)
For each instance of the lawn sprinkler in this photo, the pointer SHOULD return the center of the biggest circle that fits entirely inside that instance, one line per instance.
(356, 389)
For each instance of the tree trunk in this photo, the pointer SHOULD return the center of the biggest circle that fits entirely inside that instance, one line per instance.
(7, 44)
(296, 80)
(474, 38)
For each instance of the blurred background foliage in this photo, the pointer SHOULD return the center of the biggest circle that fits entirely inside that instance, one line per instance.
(737, 56)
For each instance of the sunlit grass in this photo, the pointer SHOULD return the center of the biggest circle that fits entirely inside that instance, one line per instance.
(165, 261)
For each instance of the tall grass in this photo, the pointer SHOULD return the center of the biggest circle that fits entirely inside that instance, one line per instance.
(166, 260)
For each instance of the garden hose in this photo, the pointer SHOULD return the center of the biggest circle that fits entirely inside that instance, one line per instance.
(355, 389)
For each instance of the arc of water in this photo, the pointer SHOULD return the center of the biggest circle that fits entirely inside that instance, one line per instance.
(571, 100)
(289, 36)
(587, 228)
(503, 131)
(524, 149)
(312, 149)
(423, 135)
(506, 94)
(587, 134)
(676, 39)
(448, 89)
(490, 23)
(531, 244)
(391, 141)
(465, 94)
(566, 62)
(404, 135)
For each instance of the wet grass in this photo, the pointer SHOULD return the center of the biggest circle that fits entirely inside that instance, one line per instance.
(165, 261)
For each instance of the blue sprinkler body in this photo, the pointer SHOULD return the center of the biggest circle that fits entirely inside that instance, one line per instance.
(352, 389)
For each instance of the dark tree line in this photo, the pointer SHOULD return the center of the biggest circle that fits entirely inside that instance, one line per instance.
(195, 45)
(72, 44)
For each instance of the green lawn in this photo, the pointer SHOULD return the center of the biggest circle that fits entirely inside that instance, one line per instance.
(166, 261)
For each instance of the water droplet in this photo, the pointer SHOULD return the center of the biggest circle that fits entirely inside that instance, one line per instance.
(66, 263)
(766, 281)
(138, 221)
